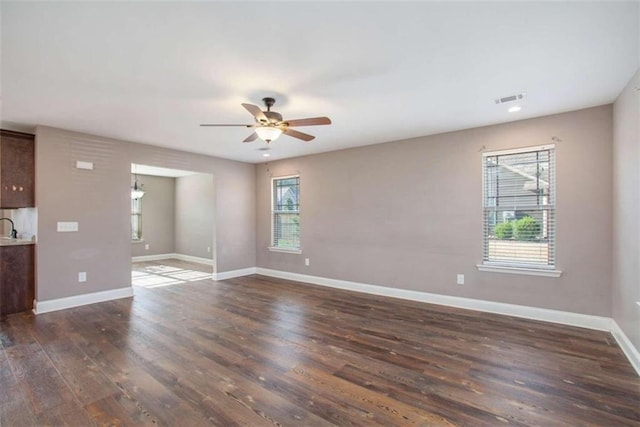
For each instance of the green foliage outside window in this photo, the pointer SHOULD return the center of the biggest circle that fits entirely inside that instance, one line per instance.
(526, 228)
(504, 230)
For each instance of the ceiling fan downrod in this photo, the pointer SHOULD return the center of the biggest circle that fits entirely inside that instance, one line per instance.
(268, 102)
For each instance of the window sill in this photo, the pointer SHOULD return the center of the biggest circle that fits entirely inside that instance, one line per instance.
(137, 240)
(285, 250)
(519, 270)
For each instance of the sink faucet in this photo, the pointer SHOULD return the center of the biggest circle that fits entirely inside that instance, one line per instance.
(14, 232)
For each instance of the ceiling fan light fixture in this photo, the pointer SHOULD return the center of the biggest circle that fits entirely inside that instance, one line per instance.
(268, 133)
(269, 125)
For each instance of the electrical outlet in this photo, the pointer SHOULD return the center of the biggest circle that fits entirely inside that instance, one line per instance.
(209, 249)
(306, 262)
(146, 247)
(82, 276)
(460, 279)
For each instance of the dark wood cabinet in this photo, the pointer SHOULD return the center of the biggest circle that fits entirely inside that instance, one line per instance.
(17, 282)
(17, 154)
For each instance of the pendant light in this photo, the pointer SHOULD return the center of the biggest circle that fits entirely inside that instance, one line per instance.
(136, 191)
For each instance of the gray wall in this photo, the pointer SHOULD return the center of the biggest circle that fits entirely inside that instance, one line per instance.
(408, 214)
(626, 212)
(195, 215)
(158, 216)
(100, 201)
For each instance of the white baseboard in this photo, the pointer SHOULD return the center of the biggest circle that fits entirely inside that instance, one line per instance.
(223, 275)
(189, 258)
(157, 257)
(626, 345)
(555, 316)
(40, 307)
(182, 257)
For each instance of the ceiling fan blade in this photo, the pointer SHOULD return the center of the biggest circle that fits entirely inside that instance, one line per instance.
(256, 112)
(313, 121)
(227, 125)
(299, 135)
(251, 137)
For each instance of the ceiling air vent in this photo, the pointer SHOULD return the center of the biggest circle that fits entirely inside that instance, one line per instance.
(510, 98)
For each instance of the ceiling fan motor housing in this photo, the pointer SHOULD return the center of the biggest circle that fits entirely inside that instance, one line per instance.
(268, 102)
(273, 117)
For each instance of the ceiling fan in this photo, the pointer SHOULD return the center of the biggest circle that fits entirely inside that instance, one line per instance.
(269, 124)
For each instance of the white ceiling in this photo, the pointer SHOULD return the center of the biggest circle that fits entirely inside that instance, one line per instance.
(152, 72)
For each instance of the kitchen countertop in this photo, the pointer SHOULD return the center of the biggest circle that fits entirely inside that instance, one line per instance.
(14, 242)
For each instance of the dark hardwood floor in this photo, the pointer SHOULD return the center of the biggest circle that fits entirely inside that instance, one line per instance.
(259, 351)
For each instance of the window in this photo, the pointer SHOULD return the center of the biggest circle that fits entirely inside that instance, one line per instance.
(285, 213)
(519, 208)
(136, 219)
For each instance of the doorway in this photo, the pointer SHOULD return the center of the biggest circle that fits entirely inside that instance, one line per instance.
(172, 226)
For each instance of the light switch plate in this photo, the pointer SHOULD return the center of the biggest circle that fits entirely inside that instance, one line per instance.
(67, 226)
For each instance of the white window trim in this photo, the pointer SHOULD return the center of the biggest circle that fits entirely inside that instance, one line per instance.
(518, 150)
(283, 249)
(515, 268)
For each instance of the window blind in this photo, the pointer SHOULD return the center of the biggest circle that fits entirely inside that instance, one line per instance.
(286, 212)
(519, 207)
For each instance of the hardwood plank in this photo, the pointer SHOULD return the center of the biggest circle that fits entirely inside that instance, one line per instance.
(119, 409)
(220, 399)
(10, 390)
(124, 368)
(260, 351)
(39, 379)
(14, 408)
(79, 371)
(70, 414)
(377, 406)
(17, 413)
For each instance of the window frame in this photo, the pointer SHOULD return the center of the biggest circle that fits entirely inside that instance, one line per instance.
(136, 213)
(272, 241)
(515, 267)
